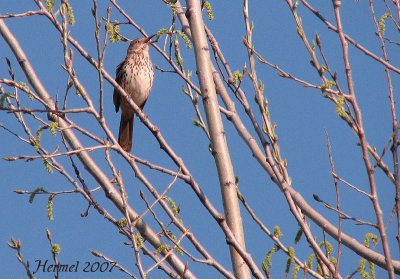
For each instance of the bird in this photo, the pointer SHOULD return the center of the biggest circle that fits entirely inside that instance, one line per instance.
(135, 74)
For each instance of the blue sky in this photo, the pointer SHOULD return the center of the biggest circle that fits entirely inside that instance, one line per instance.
(301, 115)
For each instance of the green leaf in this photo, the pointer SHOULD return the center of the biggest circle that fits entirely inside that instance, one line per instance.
(295, 271)
(122, 222)
(197, 123)
(290, 260)
(298, 236)
(208, 7)
(339, 107)
(382, 23)
(368, 238)
(161, 32)
(53, 128)
(48, 166)
(237, 76)
(328, 245)
(38, 137)
(33, 195)
(277, 232)
(50, 207)
(3, 99)
(267, 263)
(70, 12)
(327, 85)
(113, 32)
(161, 248)
(50, 5)
(185, 38)
(56, 249)
(174, 207)
(139, 239)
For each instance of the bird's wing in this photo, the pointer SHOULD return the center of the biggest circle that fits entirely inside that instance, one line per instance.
(118, 79)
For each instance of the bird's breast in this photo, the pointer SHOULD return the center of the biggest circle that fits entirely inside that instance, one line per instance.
(137, 79)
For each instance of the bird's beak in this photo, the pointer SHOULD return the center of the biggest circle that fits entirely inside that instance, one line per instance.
(148, 39)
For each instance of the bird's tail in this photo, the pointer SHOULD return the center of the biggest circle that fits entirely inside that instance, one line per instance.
(125, 132)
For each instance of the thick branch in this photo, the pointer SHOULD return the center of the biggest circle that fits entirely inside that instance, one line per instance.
(217, 133)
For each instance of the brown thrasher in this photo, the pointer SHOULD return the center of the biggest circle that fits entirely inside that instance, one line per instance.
(135, 75)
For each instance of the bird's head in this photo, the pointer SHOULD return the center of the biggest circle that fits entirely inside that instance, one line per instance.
(140, 44)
